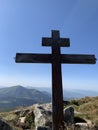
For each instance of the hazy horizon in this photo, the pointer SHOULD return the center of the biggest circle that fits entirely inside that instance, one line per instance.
(50, 88)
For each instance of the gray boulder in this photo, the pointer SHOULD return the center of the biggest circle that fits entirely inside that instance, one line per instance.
(69, 115)
(43, 116)
(22, 113)
(4, 125)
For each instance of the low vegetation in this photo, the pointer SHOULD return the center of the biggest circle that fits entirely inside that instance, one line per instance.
(86, 108)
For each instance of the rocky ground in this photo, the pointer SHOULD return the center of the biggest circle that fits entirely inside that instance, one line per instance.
(39, 117)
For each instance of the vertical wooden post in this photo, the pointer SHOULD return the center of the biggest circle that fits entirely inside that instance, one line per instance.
(57, 93)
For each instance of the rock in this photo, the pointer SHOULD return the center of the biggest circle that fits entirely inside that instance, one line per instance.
(69, 115)
(4, 125)
(22, 113)
(22, 119)
(43, 116)
(81, 126)
(20, 122)
(17, 112)
(88, 125)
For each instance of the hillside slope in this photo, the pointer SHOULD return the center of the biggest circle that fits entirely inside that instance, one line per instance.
(15, 96)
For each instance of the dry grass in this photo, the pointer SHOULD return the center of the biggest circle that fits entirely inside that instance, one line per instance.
(86, 108)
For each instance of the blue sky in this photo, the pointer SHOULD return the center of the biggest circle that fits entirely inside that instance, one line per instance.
(23, 23)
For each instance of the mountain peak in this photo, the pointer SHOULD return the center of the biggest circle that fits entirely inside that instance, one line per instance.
(17, 86)
(14, 96)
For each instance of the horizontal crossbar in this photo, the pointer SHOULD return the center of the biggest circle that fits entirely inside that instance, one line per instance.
(78, 59)
(47, 58)
(32, 58)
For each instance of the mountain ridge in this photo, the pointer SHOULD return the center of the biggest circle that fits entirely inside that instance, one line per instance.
(71, 93)
(15, 96)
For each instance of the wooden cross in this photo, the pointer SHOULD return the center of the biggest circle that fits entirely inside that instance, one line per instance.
(56, 59)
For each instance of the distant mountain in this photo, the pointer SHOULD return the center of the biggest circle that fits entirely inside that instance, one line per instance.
(15, 96)
(69, 94)
(76, 93)
(11, 97)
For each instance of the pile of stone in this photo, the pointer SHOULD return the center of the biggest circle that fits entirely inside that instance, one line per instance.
(41, 117)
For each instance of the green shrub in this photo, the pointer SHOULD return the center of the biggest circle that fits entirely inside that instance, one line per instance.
(29, 121)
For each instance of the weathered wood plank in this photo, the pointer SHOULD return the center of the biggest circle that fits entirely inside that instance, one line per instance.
(62, 42)
(57, 92)
(55, 34)
(78, 59)
(47, 58)
(47, 41)
(32, 58)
